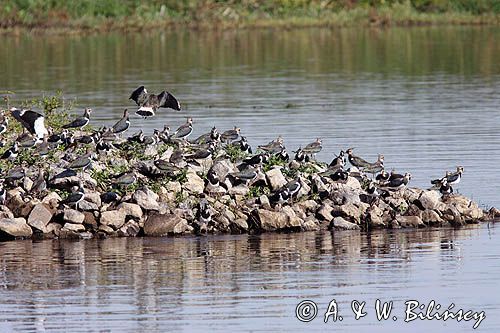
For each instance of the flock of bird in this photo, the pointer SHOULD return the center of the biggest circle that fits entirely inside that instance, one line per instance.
(190, 151)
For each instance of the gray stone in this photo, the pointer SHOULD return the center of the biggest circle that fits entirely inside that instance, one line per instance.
(147, 199)
(240, 224)
(430, 216)
(113, 218)
(266, 220)
(87, 206)
(16, 227)
(264, 202)
(375, 216)
(166, 224)
(73, 216)
(430, 199)
(53, 228)
(241, 189)
(275, 178)
(52, 197)
(410, 221)
(40, 216)
(340, 223)
(194, 183)
(106, 229)
(75, 227)
(325, 212)
(130, 209)
(5, 212)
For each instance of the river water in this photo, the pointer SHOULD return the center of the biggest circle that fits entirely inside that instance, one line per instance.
(427, 98)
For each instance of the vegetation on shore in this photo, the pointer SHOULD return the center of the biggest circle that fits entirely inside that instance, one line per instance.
(104, 15)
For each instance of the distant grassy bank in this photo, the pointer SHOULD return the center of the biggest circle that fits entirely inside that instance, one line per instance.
(106, 15)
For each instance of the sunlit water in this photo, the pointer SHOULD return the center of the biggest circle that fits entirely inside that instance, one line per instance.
(248, 283)
(427, 98)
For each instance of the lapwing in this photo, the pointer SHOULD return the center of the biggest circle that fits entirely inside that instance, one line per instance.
(80, 122)
(204, 215)
(445, 187)
(82, 163)
(40, 184)
(184, 130)
(2, 195)
(455, 177)
(313, 148)
(301, 156)
(137, 137)
(273, 146)
(11, 153)
(4, 122)
(77, 195)
(231, 135)
(150, 103)
(397, 183)
(123, 124)
(258, 159)
(33, 121)
(125, 179)
(244, 145)
(356, 161)
(339, 161)
(153, 139)
(383, 176)
(212, 136)
(280, 196)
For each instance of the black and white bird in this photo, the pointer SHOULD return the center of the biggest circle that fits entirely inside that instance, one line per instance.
(202, 154)
(455, 177)
(153, 139)
(383, 176)
(125, 179)
(258, 159)
(445, 188)
(150, 103)
(339, 161)
(4, 122)
(184, 130)
(394, 175)
(356, 161)
(12, 152)
(339, 175)
(33, 121)
(274, 146)
(123, 124)
(301, 156)
(212, 136)
(80, 122)
(313, 148)
(245, 176)
(244, 145)
(82, 162)
(204, 215)
(294, 187)
(282, 155)
(2, 195)
(77, 195)
(280, 196)
(137, 137)
(397, 183)
(231, 135)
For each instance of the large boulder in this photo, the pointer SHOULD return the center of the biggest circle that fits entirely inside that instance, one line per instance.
(166, 224)
(194, 183)
(275, 178)
(73, 216)
(113, 218)
(430, 199)
(40, 216)
(340, 223)
(147, 199)
(130, 209)
(16, 227)
(266, 220)
(410, 221)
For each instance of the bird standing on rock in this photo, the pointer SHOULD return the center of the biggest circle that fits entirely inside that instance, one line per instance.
(184, 130)
(150, 103)
(12, 152)
(123, 124)
(273, 146)
(313, 148)
(231, 135)
(356, 161)
(77, 195)
(80, 122)
(33, 121)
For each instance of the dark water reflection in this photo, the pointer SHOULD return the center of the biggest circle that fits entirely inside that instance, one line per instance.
(245, 283)
(427, 98)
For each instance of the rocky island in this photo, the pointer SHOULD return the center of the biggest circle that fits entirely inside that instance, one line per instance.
(60, 178)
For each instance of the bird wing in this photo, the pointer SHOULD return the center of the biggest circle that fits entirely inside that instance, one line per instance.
(183, 131)
(167, 100)
(78, 122)
(139, 96)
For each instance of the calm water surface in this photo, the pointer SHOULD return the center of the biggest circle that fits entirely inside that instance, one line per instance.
(427, 98)
(247, 283)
